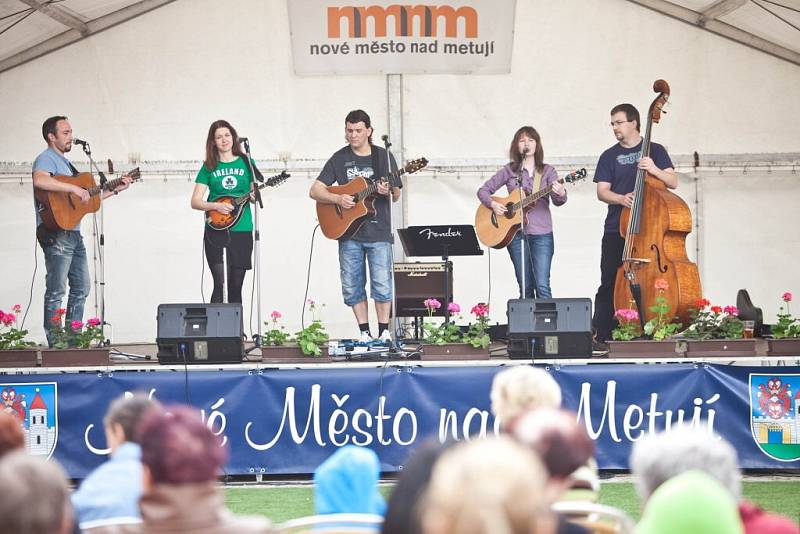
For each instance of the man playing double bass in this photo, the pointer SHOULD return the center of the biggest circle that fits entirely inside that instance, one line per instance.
(615, 177)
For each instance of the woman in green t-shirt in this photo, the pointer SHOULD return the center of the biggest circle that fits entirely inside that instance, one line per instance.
(225, 173)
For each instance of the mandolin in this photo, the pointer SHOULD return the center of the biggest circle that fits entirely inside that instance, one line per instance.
(222, 221)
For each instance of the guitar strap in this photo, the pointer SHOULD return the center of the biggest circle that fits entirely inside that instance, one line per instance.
(376, 161)
(537, 182)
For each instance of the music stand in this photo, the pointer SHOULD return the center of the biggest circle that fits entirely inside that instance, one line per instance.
(442, 240)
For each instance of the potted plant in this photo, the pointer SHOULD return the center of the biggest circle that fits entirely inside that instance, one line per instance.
(14, 350)
(448, 341)
(630, 341)
(785, 340)
(716, 331)
(276, 342)
(73, 343)
(311, 338)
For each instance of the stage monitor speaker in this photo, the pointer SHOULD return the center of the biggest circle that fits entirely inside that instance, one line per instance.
(415, 282)
(549, 328)
(200, 333)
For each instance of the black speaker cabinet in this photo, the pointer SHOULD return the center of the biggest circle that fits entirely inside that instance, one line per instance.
(415, 282)
(200, 333)
(549, 328)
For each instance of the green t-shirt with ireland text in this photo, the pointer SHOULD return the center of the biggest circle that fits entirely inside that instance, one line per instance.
(229, 179)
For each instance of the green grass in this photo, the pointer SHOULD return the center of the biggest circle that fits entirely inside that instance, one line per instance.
(281, 504)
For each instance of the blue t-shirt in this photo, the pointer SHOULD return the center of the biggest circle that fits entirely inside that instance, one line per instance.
(617, 165)
(53, 163)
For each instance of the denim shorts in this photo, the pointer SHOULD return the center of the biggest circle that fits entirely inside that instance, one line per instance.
(353, 270)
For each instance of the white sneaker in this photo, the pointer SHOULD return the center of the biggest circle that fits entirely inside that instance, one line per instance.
(385, 337)
(365, 338)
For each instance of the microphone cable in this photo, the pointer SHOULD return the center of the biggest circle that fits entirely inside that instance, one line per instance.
(308, 278)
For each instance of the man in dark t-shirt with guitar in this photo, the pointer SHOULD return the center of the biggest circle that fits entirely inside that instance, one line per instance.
(369, 238)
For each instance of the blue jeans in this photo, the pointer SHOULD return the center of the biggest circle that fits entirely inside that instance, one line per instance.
(539, 255)
(65, 260)
(353, 271)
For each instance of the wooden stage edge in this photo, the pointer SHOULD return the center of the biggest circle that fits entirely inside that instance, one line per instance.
(136, 357)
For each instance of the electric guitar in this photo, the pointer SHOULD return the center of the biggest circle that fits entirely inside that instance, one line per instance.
(222, 221)
(337, 222)
(497, 231)
(63, 211)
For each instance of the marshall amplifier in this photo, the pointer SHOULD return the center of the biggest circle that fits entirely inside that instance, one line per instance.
(550, 328)
(415, 282)
(200, 333)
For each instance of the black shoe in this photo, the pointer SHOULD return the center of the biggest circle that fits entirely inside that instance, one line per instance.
(599, 346)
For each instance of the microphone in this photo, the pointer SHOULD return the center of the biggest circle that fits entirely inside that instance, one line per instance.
(243, 139)
(525, 151)
(385, 137)
(80, 142)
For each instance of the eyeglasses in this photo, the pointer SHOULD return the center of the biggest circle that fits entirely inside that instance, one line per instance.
(617, 123)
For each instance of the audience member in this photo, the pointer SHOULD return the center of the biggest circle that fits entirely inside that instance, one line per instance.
(487, 486)
(36, 497)
(401, 513)
(690, 503)
(110, 494)
(522, 388)
(564, 447)
(347, 483)
(181, 460)
(657, 458)
(11, 436)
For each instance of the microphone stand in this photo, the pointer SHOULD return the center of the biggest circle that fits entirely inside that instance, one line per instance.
(100, 278)
(257, 244)
(523, 264)
(394, 350)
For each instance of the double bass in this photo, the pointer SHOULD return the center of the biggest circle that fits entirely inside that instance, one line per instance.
(655, 229)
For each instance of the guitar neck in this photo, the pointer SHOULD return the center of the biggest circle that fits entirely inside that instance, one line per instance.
(533, 197)
(373, 187)
(108, 186)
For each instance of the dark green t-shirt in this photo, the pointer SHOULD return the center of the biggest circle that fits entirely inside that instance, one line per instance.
(229, 179)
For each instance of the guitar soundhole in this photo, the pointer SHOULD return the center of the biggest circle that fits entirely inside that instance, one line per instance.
(510, 211)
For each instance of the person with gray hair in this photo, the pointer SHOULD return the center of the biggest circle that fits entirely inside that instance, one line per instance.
(36, 499)
(522, 388)
(657, 458)
(110, 494)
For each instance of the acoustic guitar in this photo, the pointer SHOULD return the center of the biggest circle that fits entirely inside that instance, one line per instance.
(337, 222)
(222, 221)
(63, 211)
(497, 231)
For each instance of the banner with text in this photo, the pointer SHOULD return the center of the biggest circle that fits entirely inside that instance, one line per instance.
(288, 421)
(383, 37)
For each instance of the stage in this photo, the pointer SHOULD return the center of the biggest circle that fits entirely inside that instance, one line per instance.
(283, 419)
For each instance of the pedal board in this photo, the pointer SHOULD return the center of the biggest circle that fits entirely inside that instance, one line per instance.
(345, 347)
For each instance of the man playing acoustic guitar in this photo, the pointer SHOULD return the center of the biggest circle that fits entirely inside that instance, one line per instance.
(64, 252)
(372, 241)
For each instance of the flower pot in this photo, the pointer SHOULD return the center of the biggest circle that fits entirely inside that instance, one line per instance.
(645, 348)
(19, 358)
(290, 353)
(789, 346)
(75, 357)
(453, 351)
(710, 348)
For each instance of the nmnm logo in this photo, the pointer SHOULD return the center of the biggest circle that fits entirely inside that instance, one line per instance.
(425, 18)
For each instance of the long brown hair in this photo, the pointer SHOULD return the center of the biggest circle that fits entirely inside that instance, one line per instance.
(212, 156)
(538, 153)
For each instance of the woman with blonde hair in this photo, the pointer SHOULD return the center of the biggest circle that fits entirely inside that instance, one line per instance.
(488, 486)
